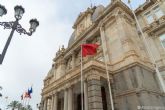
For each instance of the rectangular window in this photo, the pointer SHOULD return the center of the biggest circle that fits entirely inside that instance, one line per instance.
(162, 39)
(149, 17)
(158, 12)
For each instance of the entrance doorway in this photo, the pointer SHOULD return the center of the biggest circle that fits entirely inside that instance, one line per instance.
(60, 104)
(104, 100)
(79, 105)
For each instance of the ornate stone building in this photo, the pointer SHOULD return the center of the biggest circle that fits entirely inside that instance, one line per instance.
(132, 75)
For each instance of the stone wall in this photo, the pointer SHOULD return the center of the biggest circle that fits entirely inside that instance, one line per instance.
(135, 87)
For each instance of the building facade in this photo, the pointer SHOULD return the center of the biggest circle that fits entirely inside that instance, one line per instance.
(132, 76)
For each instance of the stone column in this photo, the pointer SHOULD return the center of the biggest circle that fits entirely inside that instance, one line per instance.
(86, 95)
(45, 104)
(52, 102)
(73, 59)
(65, 99)
(48, 104)
(94, 92)
(55, 102)
(70, 99)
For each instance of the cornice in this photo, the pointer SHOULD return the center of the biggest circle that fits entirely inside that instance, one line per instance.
(145, 6)
(155, 27)
(119, 4)
(74, 74)
(142, 7)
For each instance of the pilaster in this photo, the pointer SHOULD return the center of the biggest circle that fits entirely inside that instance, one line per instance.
(70, 98)
(94, 92)
(55, 100)
(124, 34)
(104, 44)
(73, 59)
(86, 95)
(66, 99)
(45, 104)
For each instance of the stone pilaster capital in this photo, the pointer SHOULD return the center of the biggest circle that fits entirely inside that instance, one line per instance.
(55, 92)
(45, 98)
(93, 76)
(102, 25)
(86, 79)
(73, 52)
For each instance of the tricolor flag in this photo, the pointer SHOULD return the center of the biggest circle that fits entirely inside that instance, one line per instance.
(89, 49)
(27, 95)
(30, 90)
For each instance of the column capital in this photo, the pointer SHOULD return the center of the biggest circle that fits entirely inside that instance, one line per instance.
(45, 97)
(67, 86)
(73, 52)
(54, 92)
(102, 25)
(93, 76)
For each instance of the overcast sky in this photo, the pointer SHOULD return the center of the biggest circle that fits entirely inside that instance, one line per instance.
(29, 59)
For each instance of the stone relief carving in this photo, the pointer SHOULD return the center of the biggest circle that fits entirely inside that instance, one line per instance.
(69, 63)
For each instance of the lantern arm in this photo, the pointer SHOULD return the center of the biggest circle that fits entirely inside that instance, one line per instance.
(21, 30)
(7, 25)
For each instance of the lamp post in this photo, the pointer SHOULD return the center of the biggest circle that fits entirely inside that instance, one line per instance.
(0, 93)
(15, 26)
(38, 106)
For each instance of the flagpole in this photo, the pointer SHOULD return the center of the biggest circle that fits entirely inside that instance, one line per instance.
(148, 50)
(28, 101)
(107, 72)
(82, 102)
(25, 101)
(22, 101)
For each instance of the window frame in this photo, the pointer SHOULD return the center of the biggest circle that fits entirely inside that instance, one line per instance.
(158, 9)
(147, 15)
(152, 12)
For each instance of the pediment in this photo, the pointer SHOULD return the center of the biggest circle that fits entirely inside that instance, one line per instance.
(82, 15)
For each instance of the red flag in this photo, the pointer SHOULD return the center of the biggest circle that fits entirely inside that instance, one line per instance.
(89, 49)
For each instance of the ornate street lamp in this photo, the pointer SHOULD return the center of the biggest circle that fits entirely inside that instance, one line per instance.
(3, 10)
(14, 25)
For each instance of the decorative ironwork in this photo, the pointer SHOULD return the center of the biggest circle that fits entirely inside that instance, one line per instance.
(21, 30)
(15, 26)
(7, 25)
(18, 27)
